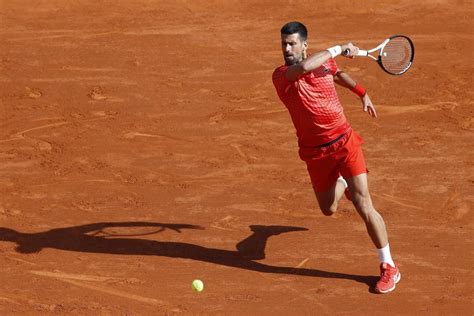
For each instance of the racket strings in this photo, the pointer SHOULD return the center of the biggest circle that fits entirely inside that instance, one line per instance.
(397, 55)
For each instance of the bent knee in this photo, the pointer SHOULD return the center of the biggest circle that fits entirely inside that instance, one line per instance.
(330, 210)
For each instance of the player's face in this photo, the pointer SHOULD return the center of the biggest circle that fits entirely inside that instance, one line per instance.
(293, 48)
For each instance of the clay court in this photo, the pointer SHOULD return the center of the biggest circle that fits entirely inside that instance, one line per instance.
(142, 146)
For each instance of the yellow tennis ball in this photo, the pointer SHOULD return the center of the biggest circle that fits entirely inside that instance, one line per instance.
(198, 286)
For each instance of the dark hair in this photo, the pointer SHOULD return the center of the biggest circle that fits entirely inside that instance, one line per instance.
(295, 27)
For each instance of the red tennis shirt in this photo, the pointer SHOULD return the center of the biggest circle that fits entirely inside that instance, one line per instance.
(314, 106)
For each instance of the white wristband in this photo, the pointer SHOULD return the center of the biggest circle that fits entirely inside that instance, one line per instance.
(335, 51)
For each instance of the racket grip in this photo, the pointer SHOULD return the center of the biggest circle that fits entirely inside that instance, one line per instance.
(359, 53)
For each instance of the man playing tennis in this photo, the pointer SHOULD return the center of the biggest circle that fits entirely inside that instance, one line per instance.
(331, 149)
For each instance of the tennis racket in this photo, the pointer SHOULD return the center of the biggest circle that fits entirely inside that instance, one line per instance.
(395, 54)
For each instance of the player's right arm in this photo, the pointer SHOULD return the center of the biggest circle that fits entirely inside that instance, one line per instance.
(315, 61)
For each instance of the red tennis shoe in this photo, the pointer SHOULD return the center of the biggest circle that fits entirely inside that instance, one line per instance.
(389, 277)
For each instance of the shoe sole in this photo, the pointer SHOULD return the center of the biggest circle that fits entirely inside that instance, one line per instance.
(399, 276)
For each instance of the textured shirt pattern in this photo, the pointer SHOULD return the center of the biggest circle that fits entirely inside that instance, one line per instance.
(313, 104)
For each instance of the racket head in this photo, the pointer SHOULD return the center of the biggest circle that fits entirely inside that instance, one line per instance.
(397, 55)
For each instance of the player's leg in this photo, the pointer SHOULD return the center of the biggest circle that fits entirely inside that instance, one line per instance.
(359, 190)
(328, 200)
(355, 172)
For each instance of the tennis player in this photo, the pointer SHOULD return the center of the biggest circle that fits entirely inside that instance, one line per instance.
(327, 143)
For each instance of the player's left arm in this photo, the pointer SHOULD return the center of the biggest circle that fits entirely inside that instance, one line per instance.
(344, 80)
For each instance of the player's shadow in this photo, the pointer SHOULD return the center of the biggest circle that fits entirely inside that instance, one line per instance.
(113, 238)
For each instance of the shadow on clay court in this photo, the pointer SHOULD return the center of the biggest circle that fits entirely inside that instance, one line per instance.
(121, 238)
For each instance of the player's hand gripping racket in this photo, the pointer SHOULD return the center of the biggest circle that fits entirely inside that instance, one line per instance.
(396, 54)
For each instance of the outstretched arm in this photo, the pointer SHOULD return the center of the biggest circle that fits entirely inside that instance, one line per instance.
(344, 80)
(316, 60)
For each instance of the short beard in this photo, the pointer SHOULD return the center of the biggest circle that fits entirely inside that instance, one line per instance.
(293, 61)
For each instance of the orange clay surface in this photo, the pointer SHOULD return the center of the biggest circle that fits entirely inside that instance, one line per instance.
(142, 146)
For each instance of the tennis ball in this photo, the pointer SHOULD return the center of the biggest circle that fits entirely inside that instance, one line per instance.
(198, 286)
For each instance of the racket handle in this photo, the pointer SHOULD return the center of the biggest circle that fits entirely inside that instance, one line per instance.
(359, 53)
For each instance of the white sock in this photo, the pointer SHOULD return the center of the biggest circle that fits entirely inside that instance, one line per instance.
(385, 256)
(343, 181)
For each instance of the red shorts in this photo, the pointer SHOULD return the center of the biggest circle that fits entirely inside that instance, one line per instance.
(326, 164)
